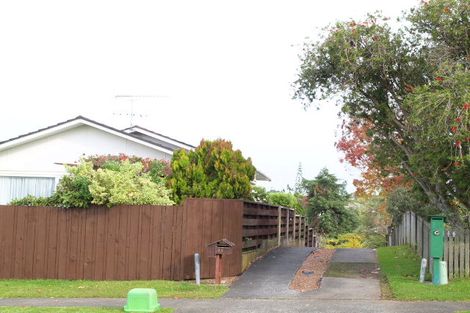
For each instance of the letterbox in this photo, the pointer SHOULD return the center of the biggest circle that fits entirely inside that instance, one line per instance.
(220, 247)
(437, 236)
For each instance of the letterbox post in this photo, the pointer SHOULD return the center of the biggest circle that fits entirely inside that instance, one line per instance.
(216, 250)
(437, 246)
(218, 268)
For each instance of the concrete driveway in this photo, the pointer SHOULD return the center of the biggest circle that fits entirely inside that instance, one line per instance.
(269, 277)
(352, 275)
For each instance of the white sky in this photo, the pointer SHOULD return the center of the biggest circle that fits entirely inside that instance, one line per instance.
(220, 69)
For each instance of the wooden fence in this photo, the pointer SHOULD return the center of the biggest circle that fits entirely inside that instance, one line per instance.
(415, 231)
(139, 242)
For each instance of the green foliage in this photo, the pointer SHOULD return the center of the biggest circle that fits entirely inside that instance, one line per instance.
(56, 288)
(399, 81)
(259, 194)
(287, 200)
(126, 183)
(402, 200)
(73, 189)
(374, 241)
(30, 200)
(212, 170)
(108, 180)
(349, 240)
(327, 203)
(374, 220)
(400, 266)
(158, 170)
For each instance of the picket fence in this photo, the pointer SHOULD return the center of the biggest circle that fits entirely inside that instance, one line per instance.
(415, 231)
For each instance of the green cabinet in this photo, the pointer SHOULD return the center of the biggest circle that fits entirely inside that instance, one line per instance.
(437, 236)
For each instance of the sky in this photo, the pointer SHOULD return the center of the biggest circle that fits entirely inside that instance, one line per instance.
(193, 69)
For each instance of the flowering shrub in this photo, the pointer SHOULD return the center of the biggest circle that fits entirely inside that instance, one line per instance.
(126, 183)
(108, 180)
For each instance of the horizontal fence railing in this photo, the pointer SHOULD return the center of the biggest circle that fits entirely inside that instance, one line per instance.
(264, 222)
(415, 231)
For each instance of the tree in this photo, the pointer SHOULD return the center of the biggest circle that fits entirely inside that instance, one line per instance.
(287, 200)
(356, 143)
(212, 170)
(380, 76)
(328, 202)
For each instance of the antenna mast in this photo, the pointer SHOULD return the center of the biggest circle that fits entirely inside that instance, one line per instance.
(131, 114)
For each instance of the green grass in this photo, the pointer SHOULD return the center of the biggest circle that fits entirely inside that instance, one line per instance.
(15, 309)
(400, 268)
(104, 289)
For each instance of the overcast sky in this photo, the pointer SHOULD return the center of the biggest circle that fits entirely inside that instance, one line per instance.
(214, 69)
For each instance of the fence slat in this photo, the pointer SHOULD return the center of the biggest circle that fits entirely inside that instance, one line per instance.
(451, 256)
(461, 254)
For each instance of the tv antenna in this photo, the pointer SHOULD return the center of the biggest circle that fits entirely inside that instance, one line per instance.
(132, 99)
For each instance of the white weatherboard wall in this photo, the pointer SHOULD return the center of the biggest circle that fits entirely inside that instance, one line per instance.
(37, 158)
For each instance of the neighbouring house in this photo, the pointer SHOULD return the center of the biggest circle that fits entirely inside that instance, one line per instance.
(33, 163)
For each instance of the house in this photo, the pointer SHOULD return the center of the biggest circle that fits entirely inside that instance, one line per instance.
(33, 163)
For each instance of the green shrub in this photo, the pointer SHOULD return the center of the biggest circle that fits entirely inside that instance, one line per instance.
(126, 183)
(73, 189)
(349, 240)
(158, 170)
(374, 241)
(212, 170)
(108, 180)
(259, 194)
(30, 200)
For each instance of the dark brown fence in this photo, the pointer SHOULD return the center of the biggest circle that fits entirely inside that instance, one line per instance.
(118, 243)
(140, 242)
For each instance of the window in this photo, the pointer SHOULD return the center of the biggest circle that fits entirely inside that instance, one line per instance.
(14, 187)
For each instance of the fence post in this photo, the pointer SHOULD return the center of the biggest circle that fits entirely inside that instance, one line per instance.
(287, 226)
(305, 232)
(293, 228)
(279, 225)
(300, 231)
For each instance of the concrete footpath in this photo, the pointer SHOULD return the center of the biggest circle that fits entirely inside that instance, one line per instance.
(260, 305)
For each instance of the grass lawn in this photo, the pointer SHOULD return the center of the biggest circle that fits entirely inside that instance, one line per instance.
(104, 289)
(400, 268)
(65, 310)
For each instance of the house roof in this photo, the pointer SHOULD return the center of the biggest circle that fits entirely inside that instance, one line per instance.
(77, 121)
(136, 134)
(136, 130)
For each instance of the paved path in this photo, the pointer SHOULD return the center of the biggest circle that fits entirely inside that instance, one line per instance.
(261, 305)
(352, 275)
(270, 276)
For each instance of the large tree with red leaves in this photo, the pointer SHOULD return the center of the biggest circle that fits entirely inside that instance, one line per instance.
(409, 89)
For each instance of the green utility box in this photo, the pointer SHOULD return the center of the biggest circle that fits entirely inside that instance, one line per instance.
(142, 300)
(437, 232)
(437, 236)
